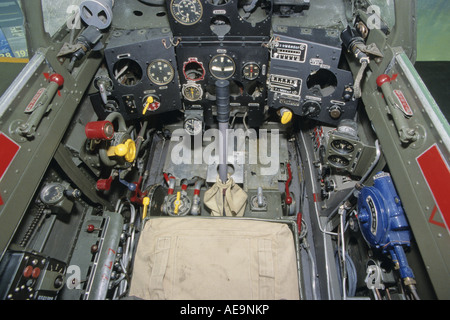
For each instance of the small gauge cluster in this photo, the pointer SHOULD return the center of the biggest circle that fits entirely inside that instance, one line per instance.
(346, 152)
(142, 64)
(306, 75)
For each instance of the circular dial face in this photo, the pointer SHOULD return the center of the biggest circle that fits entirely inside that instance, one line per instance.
(338, 161)
(342, 146)
(160, 72)
(193, 126)
(251, 71)
(52, 193)
(192, 92)
(222, 67)
(186, 12)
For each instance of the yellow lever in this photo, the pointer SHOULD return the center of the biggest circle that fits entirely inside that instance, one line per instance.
(147, 104)
(127, 150)
(145, 202)
(286, 116)
(177, 203)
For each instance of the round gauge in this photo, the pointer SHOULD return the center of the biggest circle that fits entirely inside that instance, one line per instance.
(342, 146)
(193, 126)
(192, 92)
(251, 71)
(52, 193)
(160, 72)
(222, 67)
(338, 161)
(186, 12)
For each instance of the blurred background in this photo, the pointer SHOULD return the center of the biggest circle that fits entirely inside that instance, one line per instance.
(433, 49)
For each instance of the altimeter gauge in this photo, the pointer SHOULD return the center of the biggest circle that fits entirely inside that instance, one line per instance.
(160, 72)
(222, 67)
(192, 91)
(186, 12)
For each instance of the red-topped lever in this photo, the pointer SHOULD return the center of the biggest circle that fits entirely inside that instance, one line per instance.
(288, 199)
(399, 115)
(40, 106)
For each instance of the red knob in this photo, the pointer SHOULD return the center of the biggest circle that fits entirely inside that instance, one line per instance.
(104, 184)
(99, 130)
(383, 79)
(57, 78)
(90, 228)
(35, 273)
(27, 271)
(94, 248)
(288, 200)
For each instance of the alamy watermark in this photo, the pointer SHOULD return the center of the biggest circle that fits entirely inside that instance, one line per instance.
(263, 148)
(374, 17)
(74, 19)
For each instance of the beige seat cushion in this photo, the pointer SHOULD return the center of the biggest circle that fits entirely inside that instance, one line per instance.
(190, 258)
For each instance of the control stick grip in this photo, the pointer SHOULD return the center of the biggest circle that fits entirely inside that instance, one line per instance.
(223, 100)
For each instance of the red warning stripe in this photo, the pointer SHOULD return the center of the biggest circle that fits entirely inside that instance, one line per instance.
(437, 174)
(9, 150)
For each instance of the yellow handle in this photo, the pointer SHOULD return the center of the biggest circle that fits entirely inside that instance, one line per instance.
(177, 203)
(145, 202)
(147, 104)
(286, 116)
(127, 150)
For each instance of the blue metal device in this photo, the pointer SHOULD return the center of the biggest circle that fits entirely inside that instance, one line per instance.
(383, 222)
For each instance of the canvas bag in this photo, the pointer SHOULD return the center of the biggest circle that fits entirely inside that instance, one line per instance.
(194, 258)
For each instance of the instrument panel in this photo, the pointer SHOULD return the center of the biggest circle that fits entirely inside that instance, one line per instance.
(221, 18)
(306, 77)
(141, 65)
(209, 40)
(243, 64)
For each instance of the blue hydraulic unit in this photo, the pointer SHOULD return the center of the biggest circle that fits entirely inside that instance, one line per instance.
(384, 225)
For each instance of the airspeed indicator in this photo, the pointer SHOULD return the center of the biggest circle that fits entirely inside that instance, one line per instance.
(186, 12)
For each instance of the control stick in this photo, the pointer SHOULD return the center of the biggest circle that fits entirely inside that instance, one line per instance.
(223, 117)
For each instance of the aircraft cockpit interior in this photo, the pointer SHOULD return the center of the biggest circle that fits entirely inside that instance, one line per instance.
(224, 150)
